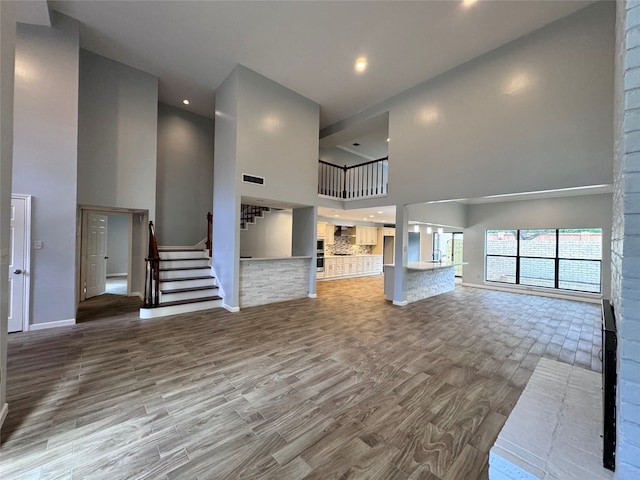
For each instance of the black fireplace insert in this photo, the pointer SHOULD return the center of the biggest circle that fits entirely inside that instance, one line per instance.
(609, 382)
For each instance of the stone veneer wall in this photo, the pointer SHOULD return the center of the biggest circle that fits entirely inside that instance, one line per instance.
(625, 243)
(422, 284)
(271, 281)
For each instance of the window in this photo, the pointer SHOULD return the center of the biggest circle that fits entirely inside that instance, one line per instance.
(568, 259)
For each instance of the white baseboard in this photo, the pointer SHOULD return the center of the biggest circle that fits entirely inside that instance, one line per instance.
(313, 295)
(109, 275)
(400, 303)
(577, 297)
(58, 323)
(3, 413)
(231, 309)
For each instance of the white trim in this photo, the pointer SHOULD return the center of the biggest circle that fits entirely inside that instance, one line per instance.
(136, 294)
(400, 303)
(3, 413)
(110, 275)
(231, 309)
(58, 323)
(26, 308)
(577, 296)
(313, 295)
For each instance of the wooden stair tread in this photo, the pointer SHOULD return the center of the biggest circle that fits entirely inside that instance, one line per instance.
(204, 277)
(183, 259)
(184, 268)
(191, 289)
(170, 249)
(185, 302)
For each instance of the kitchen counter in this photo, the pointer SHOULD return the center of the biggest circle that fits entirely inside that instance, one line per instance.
(269, 258)
(421, 280)
(432, 265)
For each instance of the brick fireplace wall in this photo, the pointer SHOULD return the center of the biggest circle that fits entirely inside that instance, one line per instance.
(625, 245)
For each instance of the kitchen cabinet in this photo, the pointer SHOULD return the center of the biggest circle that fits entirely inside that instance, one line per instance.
(366, 236)
(389, 232)
(349, 265)
(339, 268)
(377, 264)
(329, 267)
(368, 264)
(329, 229)
(320, 229)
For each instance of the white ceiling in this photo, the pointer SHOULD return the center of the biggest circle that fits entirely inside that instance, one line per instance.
(307, 46)
(345, 217)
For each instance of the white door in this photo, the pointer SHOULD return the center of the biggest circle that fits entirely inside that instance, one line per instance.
(18, 251)
(96, 254)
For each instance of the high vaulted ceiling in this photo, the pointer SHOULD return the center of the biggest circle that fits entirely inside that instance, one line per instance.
(307, 46)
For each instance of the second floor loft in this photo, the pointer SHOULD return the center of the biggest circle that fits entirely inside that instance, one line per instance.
(364, 180)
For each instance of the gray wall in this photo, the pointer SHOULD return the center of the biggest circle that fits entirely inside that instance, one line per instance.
(587, 211)
(226, 200)
(625, 253)
(118, 244)
(7, 51)
(184, 183)
(263, 129)
(279, 133)
(270, 236)
(452, 214)
(533, 115)
(45, 158)
(340, 157)
(117, 136)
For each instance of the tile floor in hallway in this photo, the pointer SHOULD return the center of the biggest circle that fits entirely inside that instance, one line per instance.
(342, 386)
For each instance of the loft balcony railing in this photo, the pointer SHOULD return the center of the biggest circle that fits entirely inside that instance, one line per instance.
(369, 179)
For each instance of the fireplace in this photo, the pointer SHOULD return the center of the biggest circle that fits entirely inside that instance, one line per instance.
(609, 382)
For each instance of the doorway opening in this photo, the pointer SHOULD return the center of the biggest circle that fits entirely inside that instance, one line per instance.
(110, 259)
(450, 244)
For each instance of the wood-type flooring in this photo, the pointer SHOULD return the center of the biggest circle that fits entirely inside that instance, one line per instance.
(344, 386)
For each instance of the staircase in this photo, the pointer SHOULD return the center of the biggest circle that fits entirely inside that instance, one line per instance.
(185, 283)
(249, 214)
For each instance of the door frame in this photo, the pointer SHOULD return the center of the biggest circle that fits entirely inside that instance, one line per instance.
(26, 300)
(135, 215)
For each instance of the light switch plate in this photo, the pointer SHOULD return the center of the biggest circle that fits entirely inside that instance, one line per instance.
(38, 244)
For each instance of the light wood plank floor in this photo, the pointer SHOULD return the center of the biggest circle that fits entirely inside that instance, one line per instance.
(343, 386)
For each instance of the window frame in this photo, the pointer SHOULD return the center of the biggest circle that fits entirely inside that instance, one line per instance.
(557, 259)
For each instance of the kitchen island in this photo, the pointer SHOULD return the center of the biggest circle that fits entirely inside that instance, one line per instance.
(421, 280)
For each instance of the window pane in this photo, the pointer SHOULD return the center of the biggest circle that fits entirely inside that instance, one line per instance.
(581, 243)
(580, 275)
(538, 272)
(501, 269)
(538, 243)
(501, 242)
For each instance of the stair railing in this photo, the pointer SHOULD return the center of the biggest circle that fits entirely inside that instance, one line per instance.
(209, 244)
(367, 179)
(152, 277)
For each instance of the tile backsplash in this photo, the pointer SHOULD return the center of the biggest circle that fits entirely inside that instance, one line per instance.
(342, 246)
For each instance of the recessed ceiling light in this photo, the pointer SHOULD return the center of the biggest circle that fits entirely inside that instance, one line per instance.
(388, 139)
(336, 215)
(186, 102)
(380, 212)
(371, 216)
(468, 3)
(361, 64)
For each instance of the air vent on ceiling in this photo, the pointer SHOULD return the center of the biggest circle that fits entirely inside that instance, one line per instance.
(246, 178)
(355, 144)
